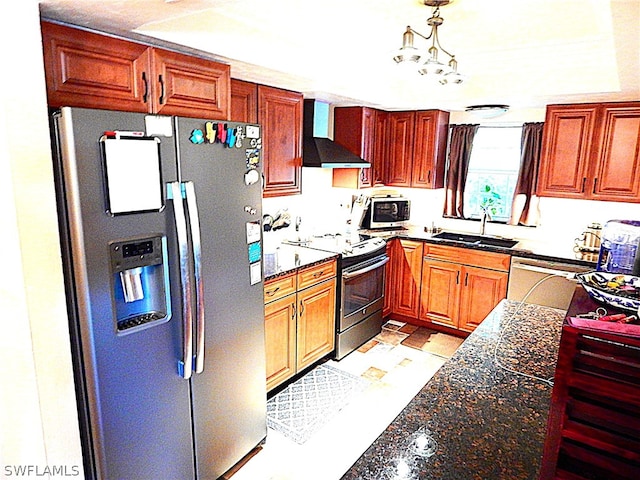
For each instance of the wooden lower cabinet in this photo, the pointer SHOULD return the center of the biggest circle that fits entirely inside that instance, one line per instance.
(280, 339)
(388, 278)
(299, 326)
(440, 285)
(460, 295)
(440, 292)
(316, 323)
(407, 265)
(481, 291)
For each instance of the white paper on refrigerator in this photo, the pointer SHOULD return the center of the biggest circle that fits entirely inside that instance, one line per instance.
(133, 176)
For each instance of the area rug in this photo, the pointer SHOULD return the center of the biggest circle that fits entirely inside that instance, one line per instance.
(303, 407)
(434, 342)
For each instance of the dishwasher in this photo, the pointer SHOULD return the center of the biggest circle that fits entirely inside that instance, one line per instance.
(555, 291)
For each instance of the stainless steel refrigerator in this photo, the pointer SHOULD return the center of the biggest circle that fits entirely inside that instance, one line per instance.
(160, 221)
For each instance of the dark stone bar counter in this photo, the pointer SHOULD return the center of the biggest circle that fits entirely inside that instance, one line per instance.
(477, 418)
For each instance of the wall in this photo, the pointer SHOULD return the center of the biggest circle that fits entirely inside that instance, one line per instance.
(38, 419)
(324, 208)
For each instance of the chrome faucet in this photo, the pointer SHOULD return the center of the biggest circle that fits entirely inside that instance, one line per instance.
(484, 216)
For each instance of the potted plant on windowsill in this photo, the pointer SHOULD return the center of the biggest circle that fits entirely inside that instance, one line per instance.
(489, 204)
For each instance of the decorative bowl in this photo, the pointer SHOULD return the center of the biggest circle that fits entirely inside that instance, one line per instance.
(614, 289)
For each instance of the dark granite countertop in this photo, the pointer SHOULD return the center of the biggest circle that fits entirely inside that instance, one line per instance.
(524, 248)
(488, 422)
(288, 258)
(291, 257)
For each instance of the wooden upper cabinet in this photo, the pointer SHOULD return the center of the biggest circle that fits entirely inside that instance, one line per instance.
(400, 143)
(280, 114)
(564, 163)
(86, 69)
(417, 147)
(244, 101)
(190, 86)
(591, 151)
(617, 167)
(380, 149)
(354, 129)
(95, 71)
(430, 149)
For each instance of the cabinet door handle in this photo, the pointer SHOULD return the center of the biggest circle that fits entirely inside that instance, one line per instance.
(161, 89)
(466, 279)
(301, 308)
(428, 176)
(145, 95)
(293, 311)
(595, 184)
(457, 278)
(584, 182)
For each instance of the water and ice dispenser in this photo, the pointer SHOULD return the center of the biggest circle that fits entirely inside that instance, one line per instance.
(140, 282)
(619, 252)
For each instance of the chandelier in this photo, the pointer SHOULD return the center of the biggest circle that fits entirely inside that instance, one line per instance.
(430, 66)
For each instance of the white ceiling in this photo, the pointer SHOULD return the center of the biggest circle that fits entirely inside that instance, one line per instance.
(524, 53)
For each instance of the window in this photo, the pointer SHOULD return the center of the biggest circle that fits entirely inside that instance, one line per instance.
(493, 172)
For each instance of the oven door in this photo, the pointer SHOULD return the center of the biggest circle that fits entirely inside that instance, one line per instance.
(362, 290)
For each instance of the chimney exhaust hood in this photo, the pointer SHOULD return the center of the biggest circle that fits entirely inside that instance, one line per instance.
(318, 149)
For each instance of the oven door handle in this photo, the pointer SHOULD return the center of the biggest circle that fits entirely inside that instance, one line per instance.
(362, 271)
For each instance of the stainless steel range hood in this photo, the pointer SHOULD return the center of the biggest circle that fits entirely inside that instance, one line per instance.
(318, 149)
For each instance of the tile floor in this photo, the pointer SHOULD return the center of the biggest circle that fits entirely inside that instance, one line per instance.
(396, 373)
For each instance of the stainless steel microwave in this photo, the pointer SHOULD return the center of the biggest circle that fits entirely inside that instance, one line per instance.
(386, 212)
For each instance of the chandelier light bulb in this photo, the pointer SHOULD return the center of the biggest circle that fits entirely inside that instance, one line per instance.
(407, 53)
(433, 68)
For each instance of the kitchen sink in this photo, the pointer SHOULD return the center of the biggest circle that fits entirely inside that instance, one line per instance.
(473, 239)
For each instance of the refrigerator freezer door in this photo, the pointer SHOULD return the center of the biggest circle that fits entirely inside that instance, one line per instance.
(229, 396)
(135, 408)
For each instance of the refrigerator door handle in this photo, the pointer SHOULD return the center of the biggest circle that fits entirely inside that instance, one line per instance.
(196, 246)
(185, 366)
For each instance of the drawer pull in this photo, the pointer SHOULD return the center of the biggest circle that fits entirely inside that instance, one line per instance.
(318, 274)
(271, 293)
